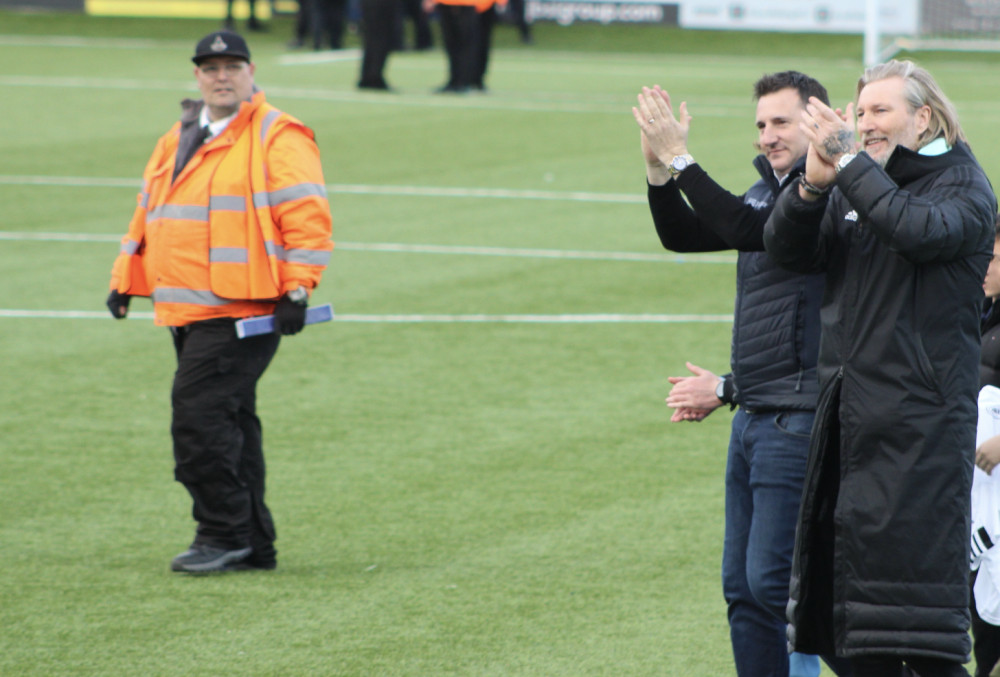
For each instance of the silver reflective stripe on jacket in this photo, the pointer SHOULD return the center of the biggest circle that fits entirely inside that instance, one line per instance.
(130, 247)
(201, 297)
(179, 212)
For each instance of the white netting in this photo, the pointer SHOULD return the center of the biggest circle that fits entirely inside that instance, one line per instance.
(950, 25)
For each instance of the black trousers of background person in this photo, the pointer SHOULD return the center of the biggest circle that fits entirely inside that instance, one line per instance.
(378, 19)
(253, 12)
(484, 42)
(516, 12)
(985, 638)
(459, 30)
(423, 38)
(218, 445)
(328, 20)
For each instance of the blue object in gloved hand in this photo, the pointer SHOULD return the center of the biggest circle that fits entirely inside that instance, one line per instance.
(290, 312)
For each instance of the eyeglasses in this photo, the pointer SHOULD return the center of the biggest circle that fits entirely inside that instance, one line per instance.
(213, 70)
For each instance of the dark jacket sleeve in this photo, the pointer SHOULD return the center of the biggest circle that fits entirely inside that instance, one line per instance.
(942, 223)
(797, 233)
(711, 219)
(729, 217)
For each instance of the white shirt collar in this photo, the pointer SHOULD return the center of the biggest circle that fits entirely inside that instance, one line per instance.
(214, 128)
(936, 147)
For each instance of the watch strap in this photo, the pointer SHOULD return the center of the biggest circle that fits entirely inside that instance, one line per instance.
(844, 160)
(299, 295)
(679, 163)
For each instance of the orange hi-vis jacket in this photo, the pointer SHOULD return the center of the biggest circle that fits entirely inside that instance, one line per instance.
(245, 221)
(483, 5)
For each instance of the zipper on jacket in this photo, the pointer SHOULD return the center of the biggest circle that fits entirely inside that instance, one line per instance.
(798, 381)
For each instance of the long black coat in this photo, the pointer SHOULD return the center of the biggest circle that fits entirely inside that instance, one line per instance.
(881, 553)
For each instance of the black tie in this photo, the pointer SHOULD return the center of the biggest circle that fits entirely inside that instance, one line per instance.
(197, 139)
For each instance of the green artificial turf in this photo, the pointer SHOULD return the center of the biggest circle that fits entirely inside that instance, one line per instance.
(503, 496)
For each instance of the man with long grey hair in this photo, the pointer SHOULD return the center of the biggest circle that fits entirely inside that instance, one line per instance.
(902, 225)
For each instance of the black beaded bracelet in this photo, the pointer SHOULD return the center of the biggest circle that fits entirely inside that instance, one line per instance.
(811, 189)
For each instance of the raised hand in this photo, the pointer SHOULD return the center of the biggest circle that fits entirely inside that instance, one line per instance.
(665, 135)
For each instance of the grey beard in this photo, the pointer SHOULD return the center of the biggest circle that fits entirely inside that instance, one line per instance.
(883, 159)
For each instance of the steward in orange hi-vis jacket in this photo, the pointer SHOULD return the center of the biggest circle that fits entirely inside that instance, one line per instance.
(245, 221)
(232, 222)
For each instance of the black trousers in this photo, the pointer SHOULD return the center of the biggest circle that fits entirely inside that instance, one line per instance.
(484, 42)
(328, 20)
(378, 18)
(892, 666)
(218, 445)
(423, 38)
(515, 10)
(985, 638)
(229, 9)
(460, 32)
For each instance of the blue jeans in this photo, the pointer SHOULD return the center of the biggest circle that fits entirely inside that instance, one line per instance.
(803, 665)
(765, 472)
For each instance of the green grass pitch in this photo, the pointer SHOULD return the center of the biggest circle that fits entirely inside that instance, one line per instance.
(472, 469)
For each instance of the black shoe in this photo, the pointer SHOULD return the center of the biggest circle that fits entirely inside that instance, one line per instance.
(250, 565)
(201, 559)
(378, 86)
(451, 89)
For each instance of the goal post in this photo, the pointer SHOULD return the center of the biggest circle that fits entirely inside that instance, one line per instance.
(941, 25)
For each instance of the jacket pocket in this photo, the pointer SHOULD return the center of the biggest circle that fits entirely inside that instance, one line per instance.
(926, 368)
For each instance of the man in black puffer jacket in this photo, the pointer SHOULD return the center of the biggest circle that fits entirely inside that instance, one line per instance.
(773, 360)
(881, 569)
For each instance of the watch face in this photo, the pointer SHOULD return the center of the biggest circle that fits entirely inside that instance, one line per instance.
(679, 163)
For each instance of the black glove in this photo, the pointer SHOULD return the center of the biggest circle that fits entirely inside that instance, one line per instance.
(118, 304)
(289, 316)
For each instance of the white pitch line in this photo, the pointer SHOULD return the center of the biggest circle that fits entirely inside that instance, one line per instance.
(71, 41)
(57, 237)
(454, 250)
(356, 189)
(527, 103)
(599, 318)
(324, 56)
(13, 313)
(68, 181)
(537, 253)
(577, 318)
(492, 193)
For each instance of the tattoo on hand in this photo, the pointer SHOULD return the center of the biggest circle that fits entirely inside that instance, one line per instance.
(841, 142)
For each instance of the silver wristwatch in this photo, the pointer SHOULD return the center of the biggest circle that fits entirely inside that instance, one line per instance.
(844, 160)
(679, 164)
(298, 296)
(720, 389)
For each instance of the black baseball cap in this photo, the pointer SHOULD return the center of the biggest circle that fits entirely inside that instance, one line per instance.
(221, 43)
